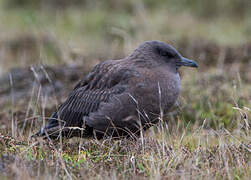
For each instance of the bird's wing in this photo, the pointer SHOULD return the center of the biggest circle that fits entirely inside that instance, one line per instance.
(102, 83)
(138, 107)
(83, 101)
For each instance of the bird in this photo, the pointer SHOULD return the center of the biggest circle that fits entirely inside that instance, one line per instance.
(121, 98)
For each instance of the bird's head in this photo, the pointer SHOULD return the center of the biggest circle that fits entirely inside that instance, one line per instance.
(165, 53)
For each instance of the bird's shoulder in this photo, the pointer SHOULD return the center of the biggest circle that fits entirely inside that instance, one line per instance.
(107, 74)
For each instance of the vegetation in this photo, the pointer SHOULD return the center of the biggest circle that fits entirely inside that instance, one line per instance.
(207, 133)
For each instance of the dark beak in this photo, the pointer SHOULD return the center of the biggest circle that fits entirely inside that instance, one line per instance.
(187, 62)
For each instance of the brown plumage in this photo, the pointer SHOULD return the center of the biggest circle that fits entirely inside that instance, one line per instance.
(121, 97)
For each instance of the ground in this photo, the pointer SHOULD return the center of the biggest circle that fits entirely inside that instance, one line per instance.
(206, 135)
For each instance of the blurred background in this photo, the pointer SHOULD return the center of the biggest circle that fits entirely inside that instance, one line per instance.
(56, 32)
(47, 46)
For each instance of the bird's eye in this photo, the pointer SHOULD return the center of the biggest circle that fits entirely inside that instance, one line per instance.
(165, 53)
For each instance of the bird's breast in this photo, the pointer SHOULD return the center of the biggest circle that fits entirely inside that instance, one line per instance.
(170, 91)
(156, 91)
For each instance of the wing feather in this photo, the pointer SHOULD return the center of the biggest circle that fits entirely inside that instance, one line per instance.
(82, 104)
(98, 86)
(106, 80)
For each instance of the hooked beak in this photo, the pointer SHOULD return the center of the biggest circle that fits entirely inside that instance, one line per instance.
(187, 62)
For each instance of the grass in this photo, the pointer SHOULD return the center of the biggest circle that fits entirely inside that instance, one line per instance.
(202, 154)
(205, 136)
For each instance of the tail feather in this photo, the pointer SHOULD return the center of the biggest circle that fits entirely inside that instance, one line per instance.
(56, 128)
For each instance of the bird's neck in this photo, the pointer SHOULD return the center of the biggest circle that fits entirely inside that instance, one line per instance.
(138, 59)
